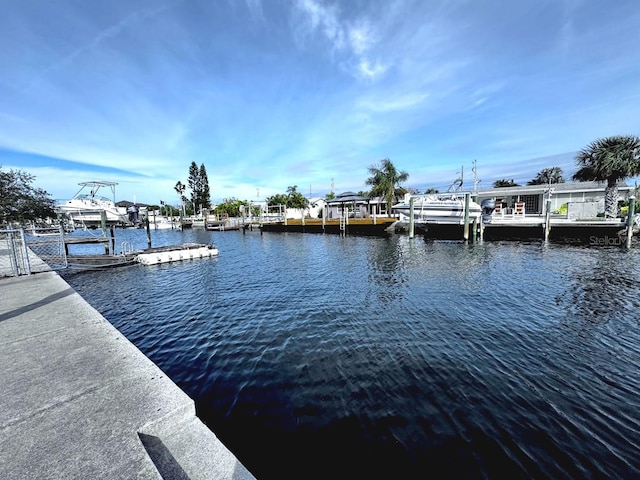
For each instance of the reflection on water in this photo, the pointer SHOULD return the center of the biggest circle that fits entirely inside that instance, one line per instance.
(321, 356)
(604, 290)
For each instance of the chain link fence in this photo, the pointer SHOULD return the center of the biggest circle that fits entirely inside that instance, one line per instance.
(27, 251)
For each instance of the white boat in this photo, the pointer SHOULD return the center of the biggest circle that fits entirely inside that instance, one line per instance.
(175, 253)
(164, 223)
(198, 222)
(87, 207)
(444, 208)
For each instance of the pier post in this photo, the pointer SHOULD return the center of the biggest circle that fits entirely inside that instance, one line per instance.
(547, 220)
(477, 221)
(103, 225)
(149, 228)
(411, 218)
(467, 197)
(112, 231)
(632, 209)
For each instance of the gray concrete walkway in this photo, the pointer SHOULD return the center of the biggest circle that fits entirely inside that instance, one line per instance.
(79, 401)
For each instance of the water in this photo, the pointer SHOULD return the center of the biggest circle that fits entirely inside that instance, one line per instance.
(321, 356)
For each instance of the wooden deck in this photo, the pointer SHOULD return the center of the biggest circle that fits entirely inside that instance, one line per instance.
(358, 226)
(530, 227)
(108, 242)
(561, 229)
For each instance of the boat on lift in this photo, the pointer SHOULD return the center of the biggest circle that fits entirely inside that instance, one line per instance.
(438, 208)
(86, 207)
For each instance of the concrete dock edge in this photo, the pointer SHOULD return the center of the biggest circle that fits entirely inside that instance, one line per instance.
(79, 400)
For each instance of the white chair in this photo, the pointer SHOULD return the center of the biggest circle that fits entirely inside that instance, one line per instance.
(518, 210)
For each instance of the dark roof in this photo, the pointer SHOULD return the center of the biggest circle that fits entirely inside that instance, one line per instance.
(126, 203)
(347, 197)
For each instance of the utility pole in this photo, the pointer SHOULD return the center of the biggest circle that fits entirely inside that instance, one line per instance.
(476, 181)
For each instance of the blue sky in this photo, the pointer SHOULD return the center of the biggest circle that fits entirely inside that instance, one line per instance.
(270, 94)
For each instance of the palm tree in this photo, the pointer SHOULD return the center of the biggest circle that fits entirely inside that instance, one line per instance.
(547, 176)
(385, 182)
(180, 188)
(504, 183)
(610, 160)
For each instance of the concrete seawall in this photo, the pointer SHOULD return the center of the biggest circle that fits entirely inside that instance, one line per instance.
(81, 401)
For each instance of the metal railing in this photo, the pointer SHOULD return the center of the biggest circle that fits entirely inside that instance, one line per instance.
(24, 251)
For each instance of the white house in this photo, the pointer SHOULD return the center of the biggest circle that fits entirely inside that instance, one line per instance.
(584, 197)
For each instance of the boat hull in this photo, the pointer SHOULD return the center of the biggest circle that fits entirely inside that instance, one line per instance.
(439, 211)
(91, 209)
(93, 217)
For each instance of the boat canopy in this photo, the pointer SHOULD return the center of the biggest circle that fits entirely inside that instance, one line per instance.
(96, 185)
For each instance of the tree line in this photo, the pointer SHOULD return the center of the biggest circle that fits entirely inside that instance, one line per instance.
(20, 201)
(608, 160)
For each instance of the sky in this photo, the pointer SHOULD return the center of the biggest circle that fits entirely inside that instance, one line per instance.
(268, 94)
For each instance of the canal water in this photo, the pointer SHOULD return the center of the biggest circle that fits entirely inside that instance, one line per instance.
(323, 356)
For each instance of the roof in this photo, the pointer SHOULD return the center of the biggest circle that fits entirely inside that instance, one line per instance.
(127, 203)
(556, 187)
(347, 197)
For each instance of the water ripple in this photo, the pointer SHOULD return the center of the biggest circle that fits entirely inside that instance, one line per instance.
(391, 356)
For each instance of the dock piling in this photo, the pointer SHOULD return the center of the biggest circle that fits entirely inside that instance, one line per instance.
(149, 229)
(103, 225)
(467, 198)
(630, 218)
(547, 220)
(411, 219)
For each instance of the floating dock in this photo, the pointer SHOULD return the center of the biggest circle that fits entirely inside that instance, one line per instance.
(149, 256)
(99, 262)
(175, 253)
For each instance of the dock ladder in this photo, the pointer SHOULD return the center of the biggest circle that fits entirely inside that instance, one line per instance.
(343, 223)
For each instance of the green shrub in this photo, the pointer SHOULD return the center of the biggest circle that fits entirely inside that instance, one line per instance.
(562, 210)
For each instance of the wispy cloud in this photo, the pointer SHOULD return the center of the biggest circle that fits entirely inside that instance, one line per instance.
(395, 102)
(351, 40)
(306, 92)
(128, 22)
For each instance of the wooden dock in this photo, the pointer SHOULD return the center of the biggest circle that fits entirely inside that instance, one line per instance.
(108, 242)
(594, 231)
(356, 226)
(560, 229)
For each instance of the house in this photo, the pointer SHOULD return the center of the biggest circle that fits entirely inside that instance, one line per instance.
(355, 206)
(579, 199)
